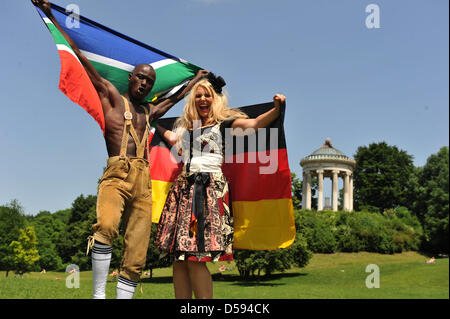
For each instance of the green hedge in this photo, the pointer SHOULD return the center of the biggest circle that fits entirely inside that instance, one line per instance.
(255, 262)
(391, 232)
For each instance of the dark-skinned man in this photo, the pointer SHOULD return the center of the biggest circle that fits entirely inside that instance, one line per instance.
(124, 190)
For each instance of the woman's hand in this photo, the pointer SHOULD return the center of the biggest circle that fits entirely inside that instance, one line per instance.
(262, 120)
(278, 99)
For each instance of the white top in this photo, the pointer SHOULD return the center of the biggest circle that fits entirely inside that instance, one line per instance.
(207, 154)
(207, 162)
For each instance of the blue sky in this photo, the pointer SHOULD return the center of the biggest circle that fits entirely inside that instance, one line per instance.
(342, 80)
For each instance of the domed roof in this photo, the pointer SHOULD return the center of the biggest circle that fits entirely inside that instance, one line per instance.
(327, 152)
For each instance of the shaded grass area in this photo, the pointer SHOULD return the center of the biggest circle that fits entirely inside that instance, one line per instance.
(328, 276)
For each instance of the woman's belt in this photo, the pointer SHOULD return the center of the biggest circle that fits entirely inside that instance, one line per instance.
(200, 182)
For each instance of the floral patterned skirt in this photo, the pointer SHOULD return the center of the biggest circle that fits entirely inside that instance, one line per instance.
(201, 235)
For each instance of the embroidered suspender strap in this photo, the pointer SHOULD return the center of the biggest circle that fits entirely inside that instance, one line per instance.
(140, 146)
(126, 128)
(129, 129)
(147, 133)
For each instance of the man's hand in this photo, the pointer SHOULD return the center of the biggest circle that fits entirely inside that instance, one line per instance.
(44, 5)
(201, 74)
(162, 107)
(278, 99)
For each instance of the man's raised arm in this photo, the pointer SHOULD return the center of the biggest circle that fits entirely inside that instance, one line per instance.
(100, 84)
(161, 108)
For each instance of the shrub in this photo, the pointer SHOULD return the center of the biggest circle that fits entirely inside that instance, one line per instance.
(319, 230)
(300, 254)
(249, 262)
(393, 231)
(347, 239)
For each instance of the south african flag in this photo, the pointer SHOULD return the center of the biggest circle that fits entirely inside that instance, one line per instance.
(114, 56)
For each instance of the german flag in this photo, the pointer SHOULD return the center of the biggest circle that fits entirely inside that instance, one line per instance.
(257, 169)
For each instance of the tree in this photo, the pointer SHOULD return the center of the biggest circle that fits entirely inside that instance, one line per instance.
(382, 177)
(432, 201)
(81, 206)
(48, 228)
(25, 253)
(63, 215)
(153, 259)
(73, 241)
(296, 190)
(12, 219)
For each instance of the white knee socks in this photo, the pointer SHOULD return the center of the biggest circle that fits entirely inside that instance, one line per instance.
(125, 288)
(101, 258)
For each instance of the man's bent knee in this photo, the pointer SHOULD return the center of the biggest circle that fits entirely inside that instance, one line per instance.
(105, 233)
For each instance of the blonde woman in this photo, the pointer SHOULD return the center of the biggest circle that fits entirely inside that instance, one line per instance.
(196, 224)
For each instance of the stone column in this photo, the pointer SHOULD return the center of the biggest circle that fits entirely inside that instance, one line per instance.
(347, 191)
(335, 190)
(320, 196)
(351, 193)
(308, 191)
(304, 191)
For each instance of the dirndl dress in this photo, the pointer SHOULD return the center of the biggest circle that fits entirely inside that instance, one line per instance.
(196, 223)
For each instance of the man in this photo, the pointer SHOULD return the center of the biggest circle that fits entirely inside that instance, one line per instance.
(125, 188)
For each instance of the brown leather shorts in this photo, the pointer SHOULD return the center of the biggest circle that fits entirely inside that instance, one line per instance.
(124, 192)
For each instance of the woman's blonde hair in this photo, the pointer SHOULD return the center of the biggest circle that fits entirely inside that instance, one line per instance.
(218, 112)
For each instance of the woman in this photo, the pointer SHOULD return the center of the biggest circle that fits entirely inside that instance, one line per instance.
(196, 225)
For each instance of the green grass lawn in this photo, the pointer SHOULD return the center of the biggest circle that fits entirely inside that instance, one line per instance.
(328, 276)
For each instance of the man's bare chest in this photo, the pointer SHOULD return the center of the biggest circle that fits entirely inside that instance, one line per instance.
(115, 121)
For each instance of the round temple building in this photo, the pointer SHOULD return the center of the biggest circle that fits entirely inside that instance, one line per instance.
(325, 162)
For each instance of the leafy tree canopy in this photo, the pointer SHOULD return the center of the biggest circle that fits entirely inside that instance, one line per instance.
(382, 177)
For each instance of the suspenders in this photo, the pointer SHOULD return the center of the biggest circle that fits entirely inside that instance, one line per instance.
(129, 129)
